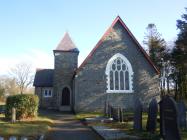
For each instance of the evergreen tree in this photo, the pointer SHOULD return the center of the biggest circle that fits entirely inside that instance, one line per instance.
(156, 44)
(179, 57)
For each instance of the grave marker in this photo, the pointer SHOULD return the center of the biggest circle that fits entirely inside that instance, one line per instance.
(13, 115)
(138, 115)
(152, 116)
(169, 118)
(182, 114)
(121, 115)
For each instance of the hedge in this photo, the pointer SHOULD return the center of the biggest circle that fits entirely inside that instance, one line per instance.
(26, 106)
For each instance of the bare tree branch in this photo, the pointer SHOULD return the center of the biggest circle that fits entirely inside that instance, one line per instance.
(23, 75)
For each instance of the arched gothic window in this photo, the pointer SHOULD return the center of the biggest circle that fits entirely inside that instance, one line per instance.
(119, 75)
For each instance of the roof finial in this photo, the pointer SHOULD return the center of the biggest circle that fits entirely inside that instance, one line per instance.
(67, 32)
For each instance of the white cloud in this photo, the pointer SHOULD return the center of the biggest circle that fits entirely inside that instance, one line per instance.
(37, 59)
(40, 59)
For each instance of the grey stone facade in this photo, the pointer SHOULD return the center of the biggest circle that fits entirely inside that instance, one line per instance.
(92, 75)
(44, 102)
(88, 84)
(65, 66)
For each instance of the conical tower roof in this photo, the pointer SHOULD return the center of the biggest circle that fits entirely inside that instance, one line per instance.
(66, 44)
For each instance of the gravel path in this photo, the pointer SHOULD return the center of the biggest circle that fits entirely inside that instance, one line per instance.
(66, 127)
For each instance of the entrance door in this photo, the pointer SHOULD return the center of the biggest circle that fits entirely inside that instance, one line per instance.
(65, 101)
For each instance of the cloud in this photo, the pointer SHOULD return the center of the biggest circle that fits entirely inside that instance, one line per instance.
(40, 59)
(37, 58)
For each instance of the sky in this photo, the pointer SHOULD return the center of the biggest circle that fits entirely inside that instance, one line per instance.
(31, 29)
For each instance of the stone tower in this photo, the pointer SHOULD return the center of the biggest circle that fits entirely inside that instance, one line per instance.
(65, 64)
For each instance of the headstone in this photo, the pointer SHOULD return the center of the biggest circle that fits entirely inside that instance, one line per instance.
(121, 114)
(169, 119)
(106, 109)
(152, 116)
(161, 119)
(118, 111)
(115, 113)
(13, 115)
(182, 114)
(110, 111)
(138, 115)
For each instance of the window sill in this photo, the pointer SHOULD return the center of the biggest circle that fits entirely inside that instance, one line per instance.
(120, 91)
(47, 96)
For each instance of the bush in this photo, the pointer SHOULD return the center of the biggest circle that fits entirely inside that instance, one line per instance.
(26, 106)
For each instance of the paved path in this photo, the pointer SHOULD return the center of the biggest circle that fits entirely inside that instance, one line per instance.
(66, 127)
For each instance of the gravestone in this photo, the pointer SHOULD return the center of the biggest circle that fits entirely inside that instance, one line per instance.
(161, 119)
(182, 114)
(115, 113)
(109, 111)
(106, 109)
(121, 115)
(138, 115)
(13, 119)
(152, 116)
(169, 118)
(118, 111)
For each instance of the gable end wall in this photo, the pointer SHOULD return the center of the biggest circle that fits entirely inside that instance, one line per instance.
(90, 81)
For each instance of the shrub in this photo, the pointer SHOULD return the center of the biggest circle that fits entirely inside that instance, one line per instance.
(26, 106)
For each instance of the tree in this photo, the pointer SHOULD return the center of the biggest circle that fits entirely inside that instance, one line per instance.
(179, 57)
(23, 75)
(2, 93)
(7, 87)
(10, 86)
(156, 44)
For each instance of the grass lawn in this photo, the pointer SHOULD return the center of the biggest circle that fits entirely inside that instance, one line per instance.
(33, 127)
(83, 115)
(127, 126)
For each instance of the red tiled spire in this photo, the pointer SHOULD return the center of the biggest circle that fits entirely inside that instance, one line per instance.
(66, 44)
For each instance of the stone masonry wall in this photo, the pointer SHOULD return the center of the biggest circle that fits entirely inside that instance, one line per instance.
(44, 102)
(90, 81)
(65, 66)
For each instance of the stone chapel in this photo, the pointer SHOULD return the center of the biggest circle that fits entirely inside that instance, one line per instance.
(117, 71)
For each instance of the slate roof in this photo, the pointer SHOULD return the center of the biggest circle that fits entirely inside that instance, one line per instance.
(66, 44)
(43, 78)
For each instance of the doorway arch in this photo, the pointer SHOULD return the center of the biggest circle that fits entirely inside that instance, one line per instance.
(65, 98)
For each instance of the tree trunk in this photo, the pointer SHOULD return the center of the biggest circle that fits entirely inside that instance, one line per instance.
(168, 90)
